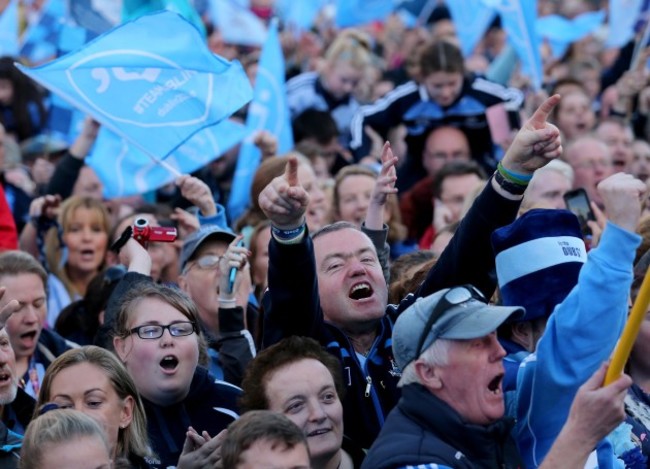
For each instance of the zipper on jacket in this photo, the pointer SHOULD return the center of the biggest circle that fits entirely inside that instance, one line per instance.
(368, 385)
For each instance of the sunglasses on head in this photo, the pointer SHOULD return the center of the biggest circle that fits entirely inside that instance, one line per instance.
(453, 297)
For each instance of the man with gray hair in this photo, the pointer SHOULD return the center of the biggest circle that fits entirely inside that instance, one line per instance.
(451, 414)
(591, 160)
(548, 186)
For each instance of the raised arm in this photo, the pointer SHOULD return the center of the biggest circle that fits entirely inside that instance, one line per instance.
(469, 257)
(291, 304)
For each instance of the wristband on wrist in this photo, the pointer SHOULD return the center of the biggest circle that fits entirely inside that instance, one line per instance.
(287, 235)
(516, 178)
(509, 186)
(225, 302)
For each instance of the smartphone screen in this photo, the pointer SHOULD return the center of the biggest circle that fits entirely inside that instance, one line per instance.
(578, 202)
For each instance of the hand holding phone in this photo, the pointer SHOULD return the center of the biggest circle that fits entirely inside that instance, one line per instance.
(232, 276)
(577, 201)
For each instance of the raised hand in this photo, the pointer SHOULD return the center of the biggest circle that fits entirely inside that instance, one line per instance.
(284, 201)
(236, 257)
(45, 206)
(384, 186)
(197, 192)
(536, 143)
(621, 194)
(8, 309)
(267, 143)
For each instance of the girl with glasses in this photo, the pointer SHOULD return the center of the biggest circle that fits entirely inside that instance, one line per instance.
(157, 338)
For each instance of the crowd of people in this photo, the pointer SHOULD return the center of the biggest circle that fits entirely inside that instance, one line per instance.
(408, 286)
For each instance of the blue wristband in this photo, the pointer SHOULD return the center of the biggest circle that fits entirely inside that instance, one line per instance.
(517, 178)
(286, 235)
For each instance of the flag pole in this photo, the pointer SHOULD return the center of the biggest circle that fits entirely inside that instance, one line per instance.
(630, 332)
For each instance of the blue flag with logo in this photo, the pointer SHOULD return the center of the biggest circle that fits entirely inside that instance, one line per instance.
(518, 18)
(124, 170)
(471, 20)
(237, 23)
(154, 92)
(359, 12)
(9, 29)
(561, 31)
(268, 111)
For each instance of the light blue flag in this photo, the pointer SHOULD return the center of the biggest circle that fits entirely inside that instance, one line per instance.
(268, 111)
(132, 9)
(152, 91)
(518, 18)
(9, 29)
(299, 15)
(471, 19)
(40, 40)
(124, 170)
(623, 15)
(561, 31)
(359, 12)
(237, 24)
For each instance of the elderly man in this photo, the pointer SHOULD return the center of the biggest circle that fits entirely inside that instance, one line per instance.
(332, 288)
(591, 161)
(451, 411)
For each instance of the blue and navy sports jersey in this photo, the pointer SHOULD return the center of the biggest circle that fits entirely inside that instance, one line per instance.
(410, 104)
(305, 91)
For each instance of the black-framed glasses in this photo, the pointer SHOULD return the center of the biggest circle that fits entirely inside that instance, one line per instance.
(453, 297)
(155, 331)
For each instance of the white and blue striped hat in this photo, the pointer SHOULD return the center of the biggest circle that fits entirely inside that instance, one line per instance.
(538, 259)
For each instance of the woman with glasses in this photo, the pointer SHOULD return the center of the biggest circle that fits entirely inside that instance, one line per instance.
(93, 381)
(157, 338)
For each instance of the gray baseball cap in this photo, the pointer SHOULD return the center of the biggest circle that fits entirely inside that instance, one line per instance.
(463, 314)
(205, 233)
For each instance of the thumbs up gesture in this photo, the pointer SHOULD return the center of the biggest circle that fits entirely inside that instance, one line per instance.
(284, 200)
(536, 143)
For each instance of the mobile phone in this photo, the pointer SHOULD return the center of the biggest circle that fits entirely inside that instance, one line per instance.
(578, 202)
(233, 272)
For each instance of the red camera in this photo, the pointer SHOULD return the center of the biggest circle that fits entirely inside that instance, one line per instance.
(144, 233)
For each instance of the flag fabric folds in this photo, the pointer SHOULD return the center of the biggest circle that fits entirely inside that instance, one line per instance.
(518, 18)
(237, 24)
(9, 29)
(153, 91)
(359, 12)
(124, 170)
(471, 20)
(267, 111)
(561, 31)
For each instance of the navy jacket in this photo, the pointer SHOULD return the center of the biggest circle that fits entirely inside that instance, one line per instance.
(409, 104)
(210, 406)
(422, 429)
(292, 307)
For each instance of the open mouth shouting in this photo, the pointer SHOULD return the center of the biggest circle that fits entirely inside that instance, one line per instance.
(28, 339)
(169, 364)
(494, 386)
(360, 291)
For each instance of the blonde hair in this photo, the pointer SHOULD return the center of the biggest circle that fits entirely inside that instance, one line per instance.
(54, 428)
(130, 440)
(53, 245)
(351, 46)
